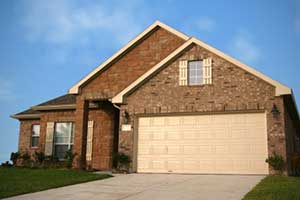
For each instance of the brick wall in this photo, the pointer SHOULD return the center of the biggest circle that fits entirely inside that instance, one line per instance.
(132, 65)
(139, 59)
(25, 135)
(54, 116)
(292, 144)
(103, 138)
(233, 89)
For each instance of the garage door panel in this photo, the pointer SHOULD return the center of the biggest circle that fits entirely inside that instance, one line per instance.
(207, 166)
(175, 150)
(174, 165)
(173, 135)
(144, 122)
(228, 143)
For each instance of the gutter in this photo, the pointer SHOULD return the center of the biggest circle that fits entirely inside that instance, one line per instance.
(26, 116)
(55, 107)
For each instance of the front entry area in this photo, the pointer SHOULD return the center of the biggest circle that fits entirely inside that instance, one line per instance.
(208, 144)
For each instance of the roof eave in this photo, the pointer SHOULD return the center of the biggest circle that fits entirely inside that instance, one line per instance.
(55, 107)
(25, 116)
(280, 89)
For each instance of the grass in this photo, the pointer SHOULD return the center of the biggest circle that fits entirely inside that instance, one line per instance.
(276, 188)
(16, 181)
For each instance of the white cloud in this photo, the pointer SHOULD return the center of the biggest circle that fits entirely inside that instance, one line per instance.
(62, 22)
(243, 48)
(6, 92)
(206, 24)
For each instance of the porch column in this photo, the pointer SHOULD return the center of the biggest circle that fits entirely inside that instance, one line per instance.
(81, 121)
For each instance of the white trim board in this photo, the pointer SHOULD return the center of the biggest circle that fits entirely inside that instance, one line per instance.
(75, 88)
(280, 88)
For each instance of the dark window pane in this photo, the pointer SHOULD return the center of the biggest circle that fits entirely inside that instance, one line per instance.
(35, 141)
(60, 151)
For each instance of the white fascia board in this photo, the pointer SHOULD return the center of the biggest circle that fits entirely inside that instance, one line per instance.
(280, 88)
(119, 97)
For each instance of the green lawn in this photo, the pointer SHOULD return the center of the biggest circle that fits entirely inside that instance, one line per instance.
(15, 181)
(276, 188)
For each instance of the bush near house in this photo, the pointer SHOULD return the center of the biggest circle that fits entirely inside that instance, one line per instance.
(121, 162)
(276, 161)
(39, 160)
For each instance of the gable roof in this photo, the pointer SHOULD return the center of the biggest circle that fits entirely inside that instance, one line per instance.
(280, 88)
(65, 102)
(75, 89)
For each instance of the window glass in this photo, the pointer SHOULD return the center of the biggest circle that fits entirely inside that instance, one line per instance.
(35, 135)
(36, 130)
(195, 73)
(63, 138)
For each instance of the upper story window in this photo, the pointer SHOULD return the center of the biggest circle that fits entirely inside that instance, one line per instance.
(195, 72)
(35, 135)
(63, 139)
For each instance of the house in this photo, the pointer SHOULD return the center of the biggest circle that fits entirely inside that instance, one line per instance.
(172, 103)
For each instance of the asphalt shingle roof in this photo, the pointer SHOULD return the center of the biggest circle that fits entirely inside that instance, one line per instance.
(62, 100)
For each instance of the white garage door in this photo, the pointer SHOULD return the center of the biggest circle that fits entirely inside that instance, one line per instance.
(223, 143)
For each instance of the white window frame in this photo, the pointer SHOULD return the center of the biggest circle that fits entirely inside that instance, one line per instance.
(70, 140)
(34, 135)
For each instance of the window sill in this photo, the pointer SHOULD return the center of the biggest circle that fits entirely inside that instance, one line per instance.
(34, 148)
(202, 85)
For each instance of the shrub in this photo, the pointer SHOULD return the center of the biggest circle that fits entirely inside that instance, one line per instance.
(39, 157)
(52, 162)
(6, 164)
(25, 156)
(27, 162)
(69, 157)
(276, 161)
(14, 156)
(121, 161)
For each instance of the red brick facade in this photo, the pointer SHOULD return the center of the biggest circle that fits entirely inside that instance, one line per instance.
(119, 75)
(232, 90)
(25, 135)
(132, 65)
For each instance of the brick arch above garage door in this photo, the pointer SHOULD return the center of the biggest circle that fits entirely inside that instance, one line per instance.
(217, 144)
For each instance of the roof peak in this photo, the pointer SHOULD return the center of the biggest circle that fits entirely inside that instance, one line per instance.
(75, 88)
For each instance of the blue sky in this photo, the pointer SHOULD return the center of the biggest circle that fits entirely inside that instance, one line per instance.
(46, 46)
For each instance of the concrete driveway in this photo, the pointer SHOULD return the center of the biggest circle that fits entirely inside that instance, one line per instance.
(154, 187)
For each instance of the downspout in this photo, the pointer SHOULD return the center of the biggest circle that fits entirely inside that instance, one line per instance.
(118, 107)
